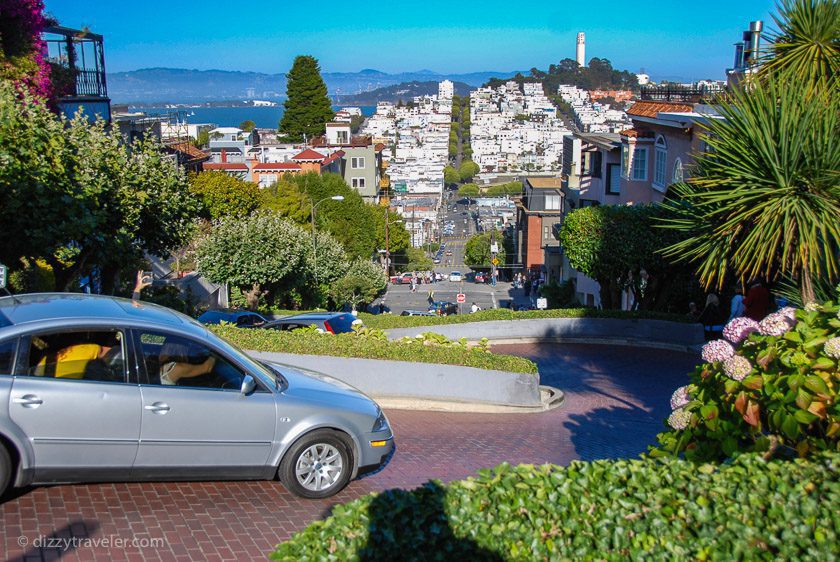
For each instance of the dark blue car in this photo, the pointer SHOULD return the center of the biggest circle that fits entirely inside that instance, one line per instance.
(242, 318)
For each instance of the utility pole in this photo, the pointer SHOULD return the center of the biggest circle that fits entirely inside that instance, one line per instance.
(494, 252)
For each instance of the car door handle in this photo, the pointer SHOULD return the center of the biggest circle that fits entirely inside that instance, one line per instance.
(28, 401)
(157, 408)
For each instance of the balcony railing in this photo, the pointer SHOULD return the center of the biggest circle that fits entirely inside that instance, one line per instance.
(693, 94)
(77, 62)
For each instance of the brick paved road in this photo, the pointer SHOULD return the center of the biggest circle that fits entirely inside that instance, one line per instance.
(615, 401)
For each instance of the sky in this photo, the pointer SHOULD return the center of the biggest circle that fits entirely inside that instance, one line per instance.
(669, 39)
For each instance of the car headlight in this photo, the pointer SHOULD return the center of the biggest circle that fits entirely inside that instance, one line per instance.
(381, 423)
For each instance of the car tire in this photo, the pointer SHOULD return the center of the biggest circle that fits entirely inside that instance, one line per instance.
(314, 458)
(5, 469)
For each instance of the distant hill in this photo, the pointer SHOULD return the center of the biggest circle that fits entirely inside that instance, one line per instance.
(404, 91)
(179, 85)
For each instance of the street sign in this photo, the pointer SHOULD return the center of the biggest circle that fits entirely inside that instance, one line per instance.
(495, 261)
(494, 247)
(461, 297)
(542, 304)
(3, 271)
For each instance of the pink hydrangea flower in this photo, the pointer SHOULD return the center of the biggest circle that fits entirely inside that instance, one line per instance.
(680, 398)
(738, 329)
(737, 367)
(775, 324)
(832, 348)
(788, 312)
(679, 418)
(716, 351)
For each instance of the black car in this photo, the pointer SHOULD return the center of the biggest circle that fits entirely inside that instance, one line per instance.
(242, 318)
(332, 322)
(443, 308)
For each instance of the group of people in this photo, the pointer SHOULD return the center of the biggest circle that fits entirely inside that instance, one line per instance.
(756, 304)
(423, 277)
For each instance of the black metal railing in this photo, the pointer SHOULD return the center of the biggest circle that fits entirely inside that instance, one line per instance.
(90, 83)
(692, 94)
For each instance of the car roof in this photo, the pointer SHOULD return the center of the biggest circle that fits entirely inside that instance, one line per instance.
(40, 307)
(313, 316)
(225, 313)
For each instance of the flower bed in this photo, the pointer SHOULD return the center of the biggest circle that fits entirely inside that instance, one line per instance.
(370, 344)
(604, 510)
(769, 386)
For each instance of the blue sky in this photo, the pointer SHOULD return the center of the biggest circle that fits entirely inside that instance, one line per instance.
(668, 38)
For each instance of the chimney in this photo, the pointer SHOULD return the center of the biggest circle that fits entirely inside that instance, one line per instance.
(224, 155)
(580, 51)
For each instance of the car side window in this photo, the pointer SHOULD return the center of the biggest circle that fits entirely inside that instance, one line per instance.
(7, 355)
(90, 355)
(171, 360)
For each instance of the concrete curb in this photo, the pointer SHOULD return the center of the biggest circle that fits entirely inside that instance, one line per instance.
(430, 386)
(660, 334)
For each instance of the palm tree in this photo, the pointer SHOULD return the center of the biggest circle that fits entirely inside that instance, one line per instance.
(764, 200)
(806, 46)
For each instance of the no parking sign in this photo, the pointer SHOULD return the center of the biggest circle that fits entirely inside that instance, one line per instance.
(461, 297)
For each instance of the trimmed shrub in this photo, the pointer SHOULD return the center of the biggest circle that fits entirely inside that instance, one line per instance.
(771, 388)
(647, 509)
(430, 348)
(386, 321)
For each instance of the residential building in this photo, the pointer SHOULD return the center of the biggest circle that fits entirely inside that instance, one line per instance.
(661, 146)
(229, 144)
(539, 213)
(78, 71)
(361, 163)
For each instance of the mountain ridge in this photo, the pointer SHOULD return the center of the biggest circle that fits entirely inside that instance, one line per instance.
(182, 85)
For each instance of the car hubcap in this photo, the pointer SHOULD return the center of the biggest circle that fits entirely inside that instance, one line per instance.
(319, 467)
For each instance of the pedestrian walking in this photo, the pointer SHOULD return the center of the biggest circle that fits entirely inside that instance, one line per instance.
(736, 307)
(757, 301)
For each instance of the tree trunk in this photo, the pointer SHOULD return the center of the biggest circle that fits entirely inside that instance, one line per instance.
(806, 286)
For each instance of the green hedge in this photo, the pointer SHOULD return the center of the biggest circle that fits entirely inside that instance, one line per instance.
(672, 509)
(386, 321)
(352, 345)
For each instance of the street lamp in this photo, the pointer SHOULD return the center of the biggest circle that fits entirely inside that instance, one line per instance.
(312, 215)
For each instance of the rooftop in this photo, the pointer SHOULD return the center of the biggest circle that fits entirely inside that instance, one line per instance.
(309, 155)
(653, 108)
(544, 183)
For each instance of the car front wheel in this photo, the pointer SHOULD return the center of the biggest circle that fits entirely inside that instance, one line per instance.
(318, 465)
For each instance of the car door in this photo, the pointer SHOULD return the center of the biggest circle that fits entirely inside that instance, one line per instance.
(72, 398)
(197, 422)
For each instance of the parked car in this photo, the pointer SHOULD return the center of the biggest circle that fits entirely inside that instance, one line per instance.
(455, 277)
(416, 313)
(330, 322)
(443, 308)
(242, 318)
(448, 253)
(436, 260)
(98, 388)
(481, 277)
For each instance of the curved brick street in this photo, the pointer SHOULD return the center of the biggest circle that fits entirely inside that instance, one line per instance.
(616, 398)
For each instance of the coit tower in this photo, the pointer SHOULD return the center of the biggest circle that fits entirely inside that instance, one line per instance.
(580, 52)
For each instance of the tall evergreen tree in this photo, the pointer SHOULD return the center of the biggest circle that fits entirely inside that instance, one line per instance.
(307, 105)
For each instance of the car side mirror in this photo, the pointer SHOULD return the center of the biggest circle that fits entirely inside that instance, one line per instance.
(249, 385)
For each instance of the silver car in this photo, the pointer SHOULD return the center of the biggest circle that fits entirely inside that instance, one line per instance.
(97, 388)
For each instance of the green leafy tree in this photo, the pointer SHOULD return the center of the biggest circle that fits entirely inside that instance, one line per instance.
(398, 237)
(469, 190)
(307, 107)
(202, 140)
(223, 196)
(468, 170)
(451, 175)
(477, 249)
(619, 248)
(247, 125)
(107, 204)
(350, 221)
(362, 283)
(510, 188)
(267, 255)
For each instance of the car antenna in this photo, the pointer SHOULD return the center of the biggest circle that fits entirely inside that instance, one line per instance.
(14, 298)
